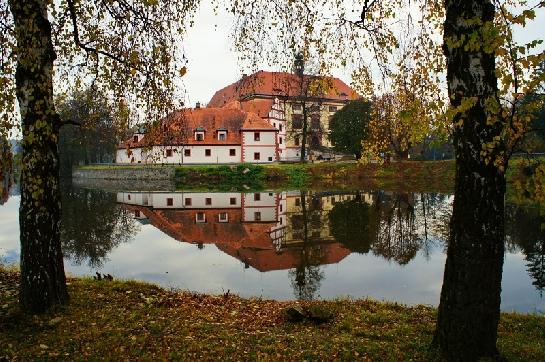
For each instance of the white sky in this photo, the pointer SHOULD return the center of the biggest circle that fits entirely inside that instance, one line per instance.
(213, 64)
(212, 61)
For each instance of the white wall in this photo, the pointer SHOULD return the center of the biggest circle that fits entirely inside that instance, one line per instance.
(219, 154)
(122, 155)
(266, 146)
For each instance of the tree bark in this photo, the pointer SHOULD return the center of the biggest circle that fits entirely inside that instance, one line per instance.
(469, 308)
(305, 132)
(43, 283)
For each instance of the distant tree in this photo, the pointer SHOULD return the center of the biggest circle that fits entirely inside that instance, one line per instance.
(349, 127)
(5, 155)
(92, 131)
(533, 106)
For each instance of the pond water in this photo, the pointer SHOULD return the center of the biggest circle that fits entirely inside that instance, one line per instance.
(281, 245)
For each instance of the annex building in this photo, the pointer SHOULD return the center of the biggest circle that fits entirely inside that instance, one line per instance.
(258, 119)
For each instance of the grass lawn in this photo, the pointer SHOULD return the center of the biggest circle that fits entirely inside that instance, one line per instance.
(130, 320)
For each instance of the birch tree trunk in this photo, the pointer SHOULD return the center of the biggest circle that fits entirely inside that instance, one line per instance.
(469, 309)
(43, 283)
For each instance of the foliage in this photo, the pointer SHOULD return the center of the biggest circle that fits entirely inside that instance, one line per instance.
(533, 106)
(348, 127)
(129, 50)
(129, 320)
(94, 130)
(236, 177)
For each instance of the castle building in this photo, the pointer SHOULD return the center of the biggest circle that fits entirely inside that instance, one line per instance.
(287, 93)
(258, 119)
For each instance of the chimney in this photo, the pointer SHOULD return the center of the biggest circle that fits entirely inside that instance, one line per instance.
(198, 105)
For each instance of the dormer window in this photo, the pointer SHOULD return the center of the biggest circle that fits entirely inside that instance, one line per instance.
(199, 134)
(222, 135)
(135, 138)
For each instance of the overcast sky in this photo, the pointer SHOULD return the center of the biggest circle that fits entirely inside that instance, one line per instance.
(213, 64)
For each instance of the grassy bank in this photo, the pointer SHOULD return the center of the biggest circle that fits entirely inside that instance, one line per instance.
(129, 320)
(423, 176)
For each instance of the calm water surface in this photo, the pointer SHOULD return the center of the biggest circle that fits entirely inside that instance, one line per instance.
(281, 245)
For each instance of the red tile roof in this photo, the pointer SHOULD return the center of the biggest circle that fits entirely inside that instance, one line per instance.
(261, 107)
(231, 118)
(279, 84)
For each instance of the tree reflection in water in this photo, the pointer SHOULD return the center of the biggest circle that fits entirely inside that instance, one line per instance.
(525, 231)
(92, 225)
(297, 230)
(392, 225)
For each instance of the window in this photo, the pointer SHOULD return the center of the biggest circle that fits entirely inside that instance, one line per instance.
(187, 201)
(233, 201)
(296, 140)
(256, 136)
(137, 213)
(257, 216)
(208, 152)
(232, 152)
(200, 217)
(170, 201)
(270, 158)
(333, 199)
(297, 121)
(135, 139)
(169, 153)
(315, 122)
(333, 108)
(222, 135)
(199, 136)
(187, 152)
(297, 107)
(222, 217)
(297, 202)
(208, 201)
(256, 155)
(280, 127)
(280, 207)
(128, 197)
(257, 196)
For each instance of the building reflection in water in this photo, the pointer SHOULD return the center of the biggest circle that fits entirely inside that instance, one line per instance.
(296, 230)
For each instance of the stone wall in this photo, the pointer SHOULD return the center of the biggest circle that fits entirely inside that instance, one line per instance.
(116, 178)
(119, 173)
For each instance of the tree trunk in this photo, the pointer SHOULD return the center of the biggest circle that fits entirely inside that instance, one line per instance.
(469, 309)
(43, 283)
(305, 133)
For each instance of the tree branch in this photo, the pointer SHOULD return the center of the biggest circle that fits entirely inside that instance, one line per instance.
(85, 47)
